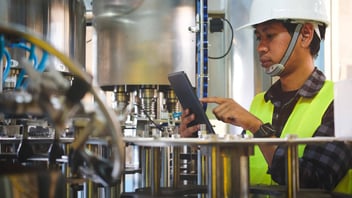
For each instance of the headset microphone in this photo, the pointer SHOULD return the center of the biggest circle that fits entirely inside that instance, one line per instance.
(275, 69)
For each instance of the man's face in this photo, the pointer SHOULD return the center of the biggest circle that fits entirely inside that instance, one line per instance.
(273, 40)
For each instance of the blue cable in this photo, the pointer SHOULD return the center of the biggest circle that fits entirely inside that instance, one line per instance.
(32, 56)
(41, 66)
(3, 52)
(8, 65)
(31, 50)
(2, 46)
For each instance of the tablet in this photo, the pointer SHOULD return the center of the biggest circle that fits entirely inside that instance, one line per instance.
(186, 94)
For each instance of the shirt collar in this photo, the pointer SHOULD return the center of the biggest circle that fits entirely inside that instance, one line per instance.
(309, 89)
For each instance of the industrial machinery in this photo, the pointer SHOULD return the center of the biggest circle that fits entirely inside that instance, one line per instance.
(45, 120)
(53, 113)
(138, 43)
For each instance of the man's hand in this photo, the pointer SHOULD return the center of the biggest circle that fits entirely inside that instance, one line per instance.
(186, 118)
(229, 111)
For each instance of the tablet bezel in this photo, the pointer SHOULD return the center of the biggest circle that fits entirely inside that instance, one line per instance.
(186, 94)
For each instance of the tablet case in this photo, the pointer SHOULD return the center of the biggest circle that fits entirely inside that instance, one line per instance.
(186, 94)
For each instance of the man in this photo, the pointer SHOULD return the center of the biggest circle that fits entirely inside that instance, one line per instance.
(300, 102)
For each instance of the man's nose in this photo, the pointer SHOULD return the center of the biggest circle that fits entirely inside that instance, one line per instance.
(262, 47)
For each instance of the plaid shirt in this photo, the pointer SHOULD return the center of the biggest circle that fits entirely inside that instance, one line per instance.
(322, 165)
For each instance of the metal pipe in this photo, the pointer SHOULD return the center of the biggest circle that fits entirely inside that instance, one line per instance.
(292, 171)
(237, 184)
(202, 174)
(145, 164)
(176, 166)
(165, 167)
(213, 161)
(155, 171)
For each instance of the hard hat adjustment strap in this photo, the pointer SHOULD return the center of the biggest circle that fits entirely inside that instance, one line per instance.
(292, 44)
(276, 69)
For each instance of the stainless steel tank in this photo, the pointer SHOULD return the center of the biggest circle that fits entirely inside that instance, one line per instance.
(140, 41)
(61, 22)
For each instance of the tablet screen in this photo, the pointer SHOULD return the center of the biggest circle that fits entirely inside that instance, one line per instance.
(186, 94)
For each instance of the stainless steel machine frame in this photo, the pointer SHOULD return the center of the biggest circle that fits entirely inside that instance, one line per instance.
(61, 23)
(140, 41)
(228, 161)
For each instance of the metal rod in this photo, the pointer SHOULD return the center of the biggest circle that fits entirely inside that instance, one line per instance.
(165, 167)
(201, 168)
(145, 164)
(292, 171)
(213, 161)
(155, 171)
(176, 167)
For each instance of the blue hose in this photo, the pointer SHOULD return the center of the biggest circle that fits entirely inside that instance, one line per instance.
(31, 50)
(2, 46)
(32, 56)
(8, 65)
(41, 66)
(3, 52)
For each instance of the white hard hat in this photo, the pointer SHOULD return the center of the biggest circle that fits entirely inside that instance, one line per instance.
(299, 10)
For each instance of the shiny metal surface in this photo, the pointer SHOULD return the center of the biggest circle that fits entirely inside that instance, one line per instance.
(292, 171)
(140, 42)
(228, 160)
(102, 124)
(226, 141)
(60, 22)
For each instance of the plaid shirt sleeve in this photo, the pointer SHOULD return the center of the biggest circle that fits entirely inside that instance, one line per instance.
(322, 165)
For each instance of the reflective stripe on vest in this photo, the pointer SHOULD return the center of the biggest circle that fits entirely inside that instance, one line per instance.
(303, 121)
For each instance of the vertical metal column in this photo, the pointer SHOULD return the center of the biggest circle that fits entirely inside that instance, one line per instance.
(292, 170)
(155, 171)
(176, 166)
(91, 188)
(228, 171)
(165, 167)
(214, 172)
(238, 164)
(145, 164)
(202, 173)
(66, 170)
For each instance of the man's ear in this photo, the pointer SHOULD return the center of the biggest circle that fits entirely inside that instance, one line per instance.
(307, 34)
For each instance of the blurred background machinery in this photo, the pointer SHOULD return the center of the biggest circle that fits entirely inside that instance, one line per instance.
(52, 112)
(45, 122)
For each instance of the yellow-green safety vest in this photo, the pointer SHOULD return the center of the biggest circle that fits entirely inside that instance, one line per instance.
(312, 110)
